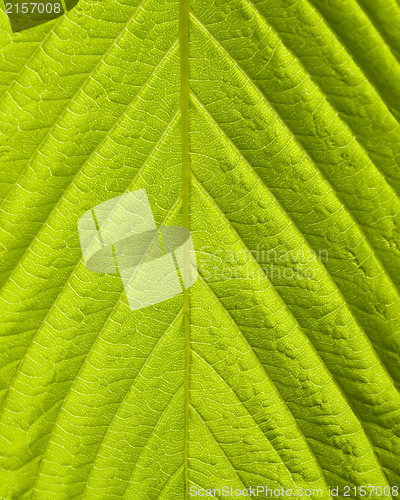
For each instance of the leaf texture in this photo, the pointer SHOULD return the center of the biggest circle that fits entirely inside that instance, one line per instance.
(271, 130)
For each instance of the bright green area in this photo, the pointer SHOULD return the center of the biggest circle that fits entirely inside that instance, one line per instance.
(274, 135)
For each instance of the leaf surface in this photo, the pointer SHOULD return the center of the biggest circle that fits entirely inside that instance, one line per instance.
(269, 129)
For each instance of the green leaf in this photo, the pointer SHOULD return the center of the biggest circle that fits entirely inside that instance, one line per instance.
(271, 130)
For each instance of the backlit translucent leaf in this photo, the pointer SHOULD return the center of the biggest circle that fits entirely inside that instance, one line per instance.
(269, 128)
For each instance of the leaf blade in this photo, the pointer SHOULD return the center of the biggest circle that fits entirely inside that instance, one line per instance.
(274, 158)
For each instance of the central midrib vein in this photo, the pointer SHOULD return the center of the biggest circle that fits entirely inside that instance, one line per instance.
(184, 107)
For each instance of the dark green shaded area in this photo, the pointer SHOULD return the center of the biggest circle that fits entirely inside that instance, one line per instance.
(70, 4)
(24, 15)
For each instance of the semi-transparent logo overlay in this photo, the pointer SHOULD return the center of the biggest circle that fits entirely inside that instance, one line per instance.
(120, 235)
